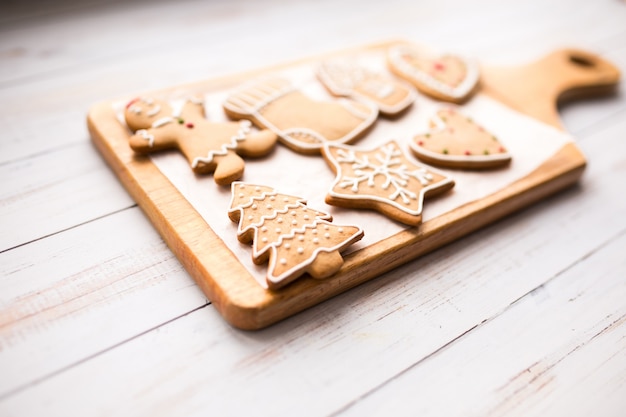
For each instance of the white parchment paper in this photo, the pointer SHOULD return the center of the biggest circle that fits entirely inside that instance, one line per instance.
(528, 141)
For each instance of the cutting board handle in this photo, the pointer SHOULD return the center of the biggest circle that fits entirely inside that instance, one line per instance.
(536, 88)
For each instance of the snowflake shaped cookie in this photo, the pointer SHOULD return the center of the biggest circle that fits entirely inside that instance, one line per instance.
(382, 179)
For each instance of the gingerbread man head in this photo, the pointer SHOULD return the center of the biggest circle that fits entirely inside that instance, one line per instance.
(208, 146)
(142, 113)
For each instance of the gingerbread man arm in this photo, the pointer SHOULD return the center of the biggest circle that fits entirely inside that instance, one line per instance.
(153, 139)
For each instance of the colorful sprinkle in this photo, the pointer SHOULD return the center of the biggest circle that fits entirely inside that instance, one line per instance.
(189, 125)
(130, 103)
(445, 151)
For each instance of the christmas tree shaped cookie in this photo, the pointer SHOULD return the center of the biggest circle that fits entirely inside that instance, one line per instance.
(447, 77)
(208, 146)
(346, 79)
(301, 123)
(295, 238)
(456, 141)
(383, 179)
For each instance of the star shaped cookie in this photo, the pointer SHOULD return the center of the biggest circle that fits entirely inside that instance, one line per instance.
(382, 179)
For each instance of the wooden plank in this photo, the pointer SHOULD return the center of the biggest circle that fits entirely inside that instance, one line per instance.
(35, 112)
(512, 35)
(560, 350)
(74, 294)
(243, 302)
(45, 196)
(389, 323)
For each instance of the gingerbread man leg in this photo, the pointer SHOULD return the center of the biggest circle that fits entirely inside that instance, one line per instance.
(229, 168)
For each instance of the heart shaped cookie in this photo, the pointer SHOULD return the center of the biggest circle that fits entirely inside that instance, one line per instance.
(446, 77)
(456, 141)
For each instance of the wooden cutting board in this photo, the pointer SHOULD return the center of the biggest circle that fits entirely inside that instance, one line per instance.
(532, 89)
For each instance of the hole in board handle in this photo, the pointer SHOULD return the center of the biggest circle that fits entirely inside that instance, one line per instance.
(581, 61)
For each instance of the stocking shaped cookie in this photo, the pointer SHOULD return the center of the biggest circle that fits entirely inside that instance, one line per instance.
(456, 141)
(302, 124)
(382, 179)
(349, 80)
(208, 146)
(293, 237)
(447, 77)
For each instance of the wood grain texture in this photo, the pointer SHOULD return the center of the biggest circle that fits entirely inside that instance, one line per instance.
(231, 288)
(99, 318)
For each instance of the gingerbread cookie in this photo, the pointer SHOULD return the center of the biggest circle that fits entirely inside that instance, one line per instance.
(208, 146)
(302, 124)
(382, 179)
(447, 77)
(456, 141)
(345, 79)
(295, 238)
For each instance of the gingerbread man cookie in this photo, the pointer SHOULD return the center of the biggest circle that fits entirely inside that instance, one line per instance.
(301, 123)
(346, 79)
(295, 238)
(447, 77)
(208, 146)
(456, 141)
(382, 179)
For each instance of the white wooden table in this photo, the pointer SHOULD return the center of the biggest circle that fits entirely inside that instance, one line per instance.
(97, 317)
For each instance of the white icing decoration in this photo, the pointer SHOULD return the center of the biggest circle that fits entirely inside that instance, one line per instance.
(471, 77)
(154, 111)
(135, 109)
(396, 176)
(244, 101)
(342, 78)
(244, 129)
(317, 222)
(146, 136)
(162, 122)
(440, 125)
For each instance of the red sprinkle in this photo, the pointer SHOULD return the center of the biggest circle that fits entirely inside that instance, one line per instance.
(439, 66)
(420, 143)
(189, 125)
(502, 149)
(130, 103)
(468, 153)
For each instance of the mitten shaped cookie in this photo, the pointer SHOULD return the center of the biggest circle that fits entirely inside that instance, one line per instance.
(383, 179)
(446, 77)
(301, 123)
(456, 141)
(208, 146)
(293, 237)
(346, 79)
